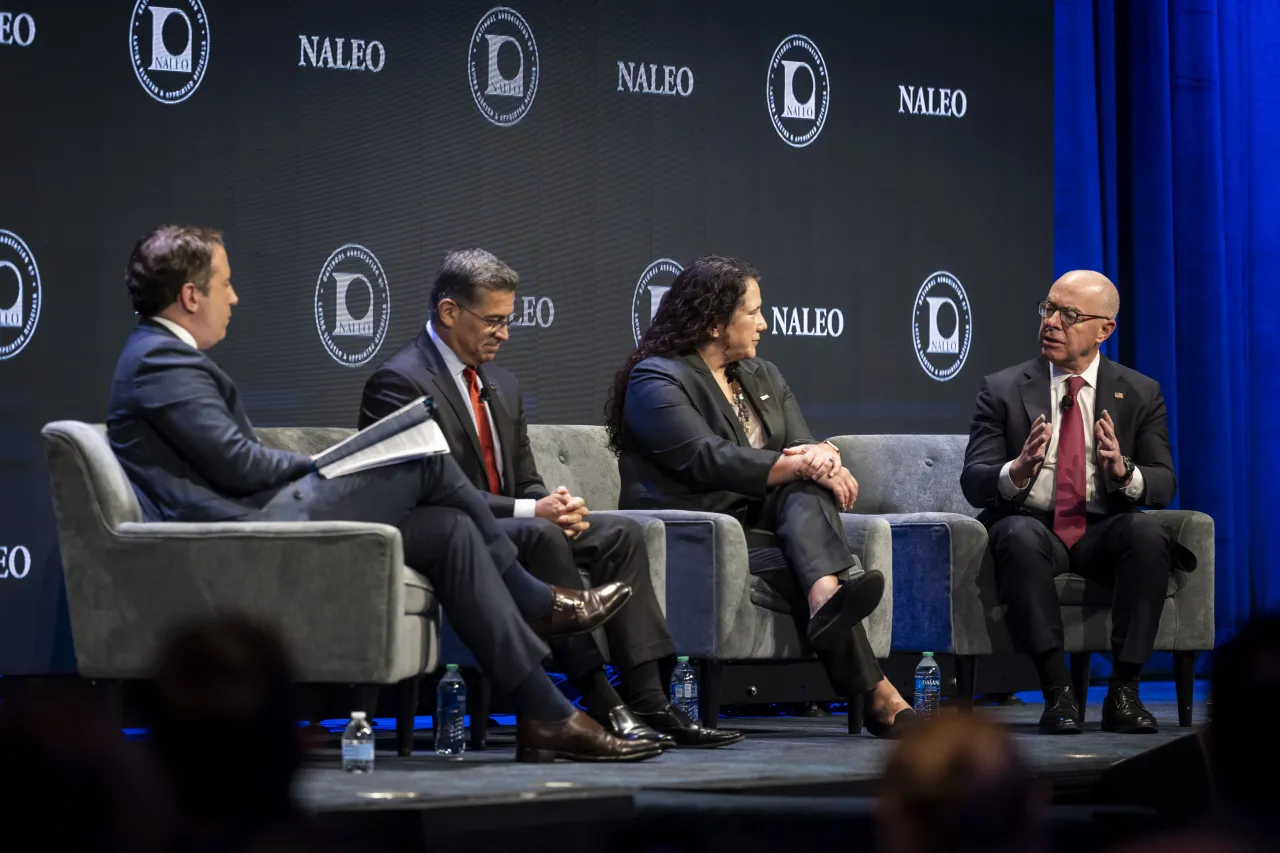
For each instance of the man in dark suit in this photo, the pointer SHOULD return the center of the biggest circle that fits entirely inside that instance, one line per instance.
(177, 426)
(482, 416)
(1063, 453)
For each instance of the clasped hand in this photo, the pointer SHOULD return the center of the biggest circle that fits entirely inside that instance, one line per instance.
(564, 510)
(821, 463)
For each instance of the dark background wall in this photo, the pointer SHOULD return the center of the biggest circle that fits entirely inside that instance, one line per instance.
(581, 182)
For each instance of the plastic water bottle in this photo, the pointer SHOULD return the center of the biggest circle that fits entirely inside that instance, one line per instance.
(684, 688)
(357, 745)
(928, 686)
(451, 711)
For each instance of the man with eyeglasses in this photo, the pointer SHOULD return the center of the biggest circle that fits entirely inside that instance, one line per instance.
(479, 409)
(1064, 451)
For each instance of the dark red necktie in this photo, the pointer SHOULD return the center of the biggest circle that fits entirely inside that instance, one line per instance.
(483, 430)
(1069, 485)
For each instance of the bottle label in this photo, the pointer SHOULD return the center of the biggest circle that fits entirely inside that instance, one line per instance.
(357, 751)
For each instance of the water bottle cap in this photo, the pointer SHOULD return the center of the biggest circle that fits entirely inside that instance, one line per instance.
(928, 654)
(452, 667)
(683, 659)
(357, 715)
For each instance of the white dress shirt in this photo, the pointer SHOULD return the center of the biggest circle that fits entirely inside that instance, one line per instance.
(1041, 496)
(183, 334)
(525, 507)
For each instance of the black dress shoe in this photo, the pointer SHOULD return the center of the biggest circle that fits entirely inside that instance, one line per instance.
(1122, 712)
(579, 611)
(852, 603)
(1061, 712)
(578, 738)
(902, 721)
(676, 723)
(623, 722)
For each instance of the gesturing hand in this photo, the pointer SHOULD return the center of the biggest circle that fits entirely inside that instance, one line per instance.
(1105, 444)
(566, 511)
(1032, 455)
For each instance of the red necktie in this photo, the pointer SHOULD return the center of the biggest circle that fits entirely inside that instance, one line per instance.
(483, 429)
(1069, 485)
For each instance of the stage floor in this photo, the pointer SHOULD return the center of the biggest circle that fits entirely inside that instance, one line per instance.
(782, 756)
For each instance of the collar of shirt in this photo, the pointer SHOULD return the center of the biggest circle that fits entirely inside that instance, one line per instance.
(450, 357)
(183, 334)
(1058, 376)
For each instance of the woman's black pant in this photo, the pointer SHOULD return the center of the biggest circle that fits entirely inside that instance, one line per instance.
(808, 542)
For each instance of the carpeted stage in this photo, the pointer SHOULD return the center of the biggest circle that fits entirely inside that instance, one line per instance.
(794, 779)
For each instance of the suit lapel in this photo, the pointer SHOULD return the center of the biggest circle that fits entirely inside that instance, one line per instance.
(446, 388)
(721, 402)
(505, 426)
(761, 395)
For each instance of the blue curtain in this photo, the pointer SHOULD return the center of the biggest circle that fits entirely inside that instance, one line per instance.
(1167, 179)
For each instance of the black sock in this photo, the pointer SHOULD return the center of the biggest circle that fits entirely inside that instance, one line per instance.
(1052, 666)
(1125, 674)
(643, 686)
(532, 596)
(538, 699)
(597, 693)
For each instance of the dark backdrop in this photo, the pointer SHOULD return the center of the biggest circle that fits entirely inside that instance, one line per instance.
(581, 181)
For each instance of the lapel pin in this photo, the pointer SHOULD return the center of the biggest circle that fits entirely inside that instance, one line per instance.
(1119, 395)
(764, 396)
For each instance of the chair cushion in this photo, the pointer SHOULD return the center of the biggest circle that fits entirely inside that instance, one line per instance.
(419, 595)
(1076, 590)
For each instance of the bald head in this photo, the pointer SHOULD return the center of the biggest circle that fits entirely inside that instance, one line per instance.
(1092, 301)
(1088, 288)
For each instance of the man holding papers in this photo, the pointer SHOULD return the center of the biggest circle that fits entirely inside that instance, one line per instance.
(480, 412)
(177, 426)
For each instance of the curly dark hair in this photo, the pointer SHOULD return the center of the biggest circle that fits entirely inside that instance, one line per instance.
(702, 297)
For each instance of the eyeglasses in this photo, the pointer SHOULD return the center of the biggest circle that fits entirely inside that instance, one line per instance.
(1070, 316)
(490, 325)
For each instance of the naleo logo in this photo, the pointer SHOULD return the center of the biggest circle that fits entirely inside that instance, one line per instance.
(798, 91)
(20, 295)
(169, 46)
(15, 562)
(19, 29)
(951, 103)
(941, 326)
(535, 311)
(800, 322)
(502, 66)
(654, 283)
(353, 305)
(649, 80)
(363, 55)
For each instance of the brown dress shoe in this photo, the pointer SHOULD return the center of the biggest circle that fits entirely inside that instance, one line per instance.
(578, 738)
(579, 611)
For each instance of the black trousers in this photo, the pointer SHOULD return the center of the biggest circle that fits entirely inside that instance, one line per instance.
(805, 521)
(1128, 552)
(611, 549)
(449, 535)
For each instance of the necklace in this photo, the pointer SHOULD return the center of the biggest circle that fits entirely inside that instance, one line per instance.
(740, 405)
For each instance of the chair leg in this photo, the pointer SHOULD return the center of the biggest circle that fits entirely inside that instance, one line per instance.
(1184, 676)
(407, 709)
(479, 694)
(966, 681)
(1080, 665)
(709, 693)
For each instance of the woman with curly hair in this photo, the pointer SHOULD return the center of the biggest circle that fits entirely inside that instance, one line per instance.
(699, 423)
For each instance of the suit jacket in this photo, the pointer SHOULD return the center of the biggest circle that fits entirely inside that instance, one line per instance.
(177, 426)
(418, 368)
(686, 447)
(1011, 400)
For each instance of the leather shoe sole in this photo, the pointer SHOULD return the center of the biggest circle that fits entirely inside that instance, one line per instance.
(852, 602)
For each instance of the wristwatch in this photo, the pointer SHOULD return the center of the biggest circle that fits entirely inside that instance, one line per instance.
(1128, 471)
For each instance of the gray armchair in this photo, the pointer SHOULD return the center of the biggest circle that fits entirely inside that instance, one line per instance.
(944, 578)
(348, 609)
(717, 610)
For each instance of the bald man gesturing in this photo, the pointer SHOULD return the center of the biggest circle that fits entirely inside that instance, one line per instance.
(1064, 451)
